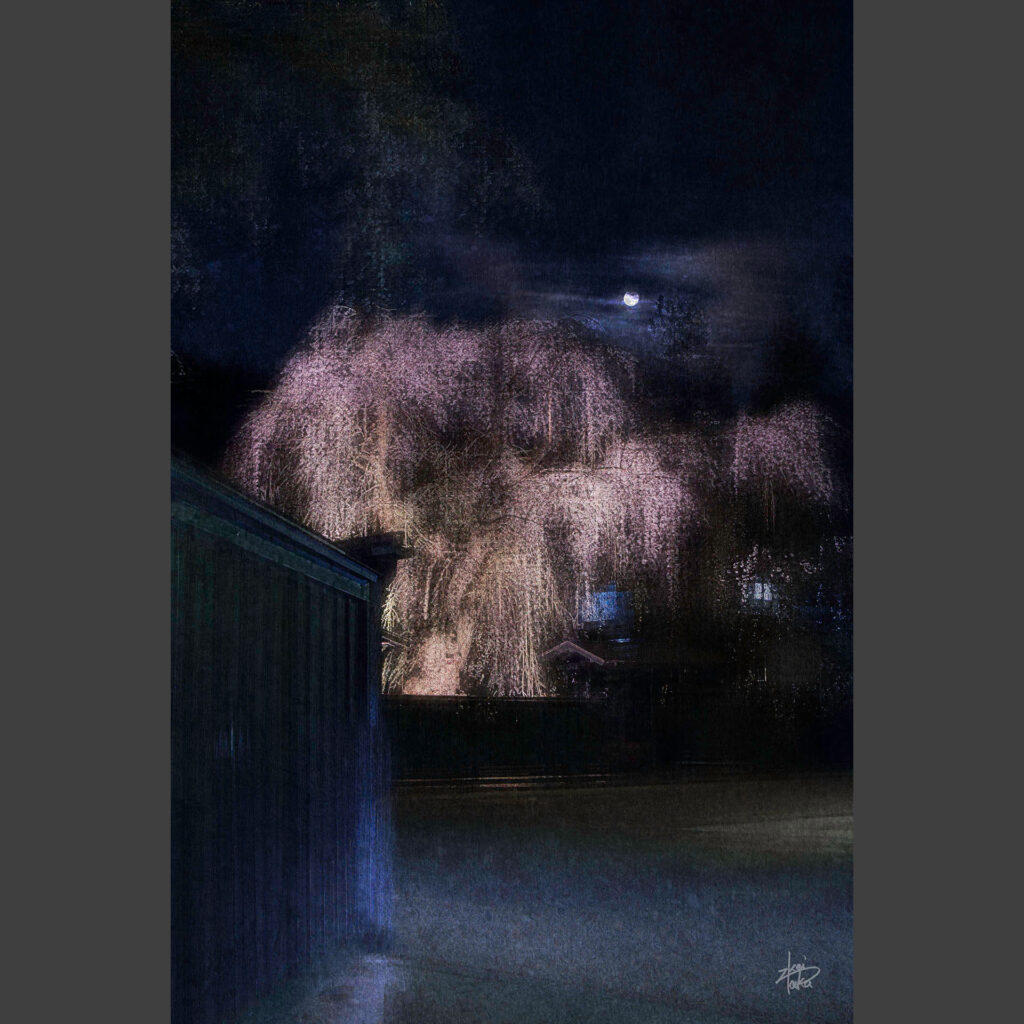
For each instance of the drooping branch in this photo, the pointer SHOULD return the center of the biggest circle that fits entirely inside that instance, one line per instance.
(512, 460)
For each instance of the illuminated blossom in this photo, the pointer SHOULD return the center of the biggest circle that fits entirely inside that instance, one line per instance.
(783, 451)
(510, 459)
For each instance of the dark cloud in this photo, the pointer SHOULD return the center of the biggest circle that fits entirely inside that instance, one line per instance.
(473, 159)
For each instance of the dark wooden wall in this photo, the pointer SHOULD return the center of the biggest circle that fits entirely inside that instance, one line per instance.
(470, 737)
(281, 829)
(646, 726)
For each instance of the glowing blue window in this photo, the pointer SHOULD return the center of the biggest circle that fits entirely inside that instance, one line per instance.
(762, 591)
(608, 607)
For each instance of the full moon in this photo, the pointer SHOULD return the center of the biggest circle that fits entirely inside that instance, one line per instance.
(631, 298)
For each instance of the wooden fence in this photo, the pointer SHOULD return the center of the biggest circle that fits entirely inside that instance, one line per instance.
(645, 727)
(281, 827)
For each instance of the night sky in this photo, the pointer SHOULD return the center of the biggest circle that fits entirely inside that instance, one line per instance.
(475, 160)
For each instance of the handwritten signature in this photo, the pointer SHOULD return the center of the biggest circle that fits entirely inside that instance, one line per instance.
(796, 976)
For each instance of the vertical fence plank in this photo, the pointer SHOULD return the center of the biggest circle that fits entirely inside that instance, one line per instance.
(271, 681)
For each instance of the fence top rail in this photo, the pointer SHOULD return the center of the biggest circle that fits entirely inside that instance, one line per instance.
(197, 488)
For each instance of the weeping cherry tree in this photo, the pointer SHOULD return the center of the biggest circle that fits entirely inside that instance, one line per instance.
(515, 463)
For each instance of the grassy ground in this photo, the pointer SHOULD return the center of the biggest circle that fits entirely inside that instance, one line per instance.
(660, 902)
